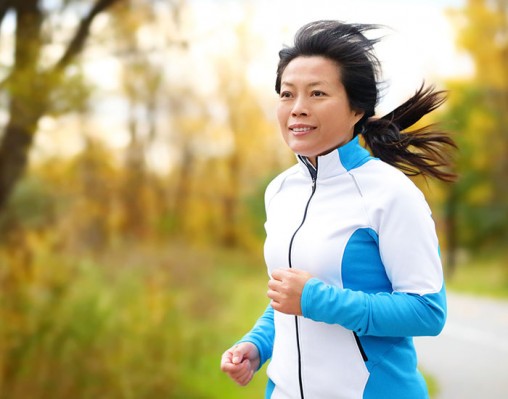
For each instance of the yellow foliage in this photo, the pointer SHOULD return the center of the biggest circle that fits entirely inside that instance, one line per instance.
(480, 195)
(482, 130)
(484, 34)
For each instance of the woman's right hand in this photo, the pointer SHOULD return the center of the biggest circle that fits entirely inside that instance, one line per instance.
(240, 362)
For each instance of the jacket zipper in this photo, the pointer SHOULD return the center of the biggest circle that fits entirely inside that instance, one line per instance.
(313, 174)
(360, 347)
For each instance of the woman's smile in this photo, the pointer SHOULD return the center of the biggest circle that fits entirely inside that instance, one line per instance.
(301, 129)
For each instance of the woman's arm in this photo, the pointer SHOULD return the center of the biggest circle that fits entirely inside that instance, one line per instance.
(262, 335)
(383, 314)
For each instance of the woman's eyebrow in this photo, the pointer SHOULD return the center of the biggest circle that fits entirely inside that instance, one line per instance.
(312, 84)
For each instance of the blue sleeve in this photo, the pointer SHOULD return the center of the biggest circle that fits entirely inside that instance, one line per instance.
(394, 314)
(262, 335)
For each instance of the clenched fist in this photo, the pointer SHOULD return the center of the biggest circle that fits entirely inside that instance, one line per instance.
(241, 362)
(285, 290)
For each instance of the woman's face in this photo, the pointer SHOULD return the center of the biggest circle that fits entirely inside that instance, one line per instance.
(313, 112)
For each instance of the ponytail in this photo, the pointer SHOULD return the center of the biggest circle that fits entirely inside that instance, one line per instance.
(423, 151)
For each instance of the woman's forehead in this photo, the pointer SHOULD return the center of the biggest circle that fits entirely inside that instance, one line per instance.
(311, 70)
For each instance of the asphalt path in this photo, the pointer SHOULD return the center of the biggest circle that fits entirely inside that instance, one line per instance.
(469, 359)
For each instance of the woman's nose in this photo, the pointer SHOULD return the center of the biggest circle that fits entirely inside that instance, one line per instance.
(300, 107)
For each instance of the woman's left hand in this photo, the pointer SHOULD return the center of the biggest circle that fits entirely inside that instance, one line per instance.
(285, 290)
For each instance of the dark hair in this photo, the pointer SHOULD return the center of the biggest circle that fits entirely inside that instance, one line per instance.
(421, 151)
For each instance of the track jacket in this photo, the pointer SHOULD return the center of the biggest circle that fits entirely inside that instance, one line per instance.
(365, 232)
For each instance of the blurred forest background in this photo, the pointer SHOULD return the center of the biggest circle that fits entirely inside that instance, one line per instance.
(132, 172)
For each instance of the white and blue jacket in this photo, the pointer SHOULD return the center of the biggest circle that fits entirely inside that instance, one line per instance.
(365, 232)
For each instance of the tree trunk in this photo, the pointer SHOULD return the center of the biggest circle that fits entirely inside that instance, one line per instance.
(25, 103)
(13, 158)
(28, 88)
(451, 231)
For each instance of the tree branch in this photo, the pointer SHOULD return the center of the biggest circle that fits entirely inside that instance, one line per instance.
(82, 33)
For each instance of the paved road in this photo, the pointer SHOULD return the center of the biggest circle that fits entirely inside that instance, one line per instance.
(470, 358)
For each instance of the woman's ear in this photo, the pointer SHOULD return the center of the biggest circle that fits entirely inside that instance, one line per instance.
(358, 114)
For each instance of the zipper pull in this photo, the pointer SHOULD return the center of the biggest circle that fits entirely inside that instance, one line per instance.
(313, 173)
(312, 170)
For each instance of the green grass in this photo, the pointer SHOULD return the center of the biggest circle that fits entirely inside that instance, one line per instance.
(135, 323)
(432, 384)
(484, 276)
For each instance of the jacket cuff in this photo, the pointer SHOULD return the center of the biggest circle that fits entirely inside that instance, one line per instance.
(306, 298)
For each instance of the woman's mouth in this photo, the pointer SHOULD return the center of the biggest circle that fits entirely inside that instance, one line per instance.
(300, 130)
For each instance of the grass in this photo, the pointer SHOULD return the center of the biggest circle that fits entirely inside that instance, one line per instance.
(484, 276)
(133, 323)
(432, 384)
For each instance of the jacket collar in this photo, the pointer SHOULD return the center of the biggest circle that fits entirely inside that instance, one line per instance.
(341, 160)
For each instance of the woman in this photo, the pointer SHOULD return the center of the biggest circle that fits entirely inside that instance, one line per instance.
(351, 247)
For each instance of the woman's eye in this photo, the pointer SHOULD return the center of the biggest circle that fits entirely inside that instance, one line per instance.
(317, 93)
(285, 94)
